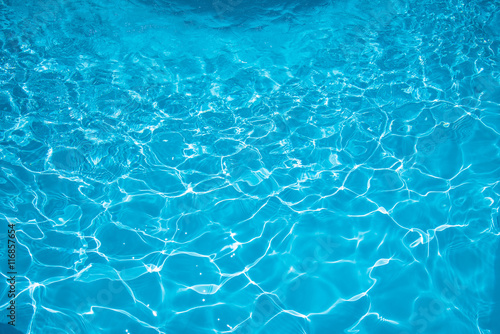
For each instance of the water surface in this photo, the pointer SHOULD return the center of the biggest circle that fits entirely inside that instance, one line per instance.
(252, 167)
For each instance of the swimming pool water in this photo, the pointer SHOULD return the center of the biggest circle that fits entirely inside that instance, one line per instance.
(229, 166)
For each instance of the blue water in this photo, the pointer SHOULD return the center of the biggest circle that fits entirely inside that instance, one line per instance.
(269, 166)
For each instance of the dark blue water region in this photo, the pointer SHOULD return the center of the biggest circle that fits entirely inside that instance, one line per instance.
(8, 329)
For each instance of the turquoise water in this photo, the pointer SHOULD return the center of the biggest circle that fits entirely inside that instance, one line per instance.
(230, 166)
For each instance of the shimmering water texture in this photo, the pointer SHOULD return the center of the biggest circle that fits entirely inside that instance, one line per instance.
(244, 167)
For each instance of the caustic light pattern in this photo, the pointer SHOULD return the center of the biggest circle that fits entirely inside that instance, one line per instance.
(227, 166)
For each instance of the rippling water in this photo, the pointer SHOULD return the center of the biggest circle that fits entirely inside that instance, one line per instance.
(230, 166)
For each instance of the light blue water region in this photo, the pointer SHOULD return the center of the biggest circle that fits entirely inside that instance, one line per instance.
(230, 166)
